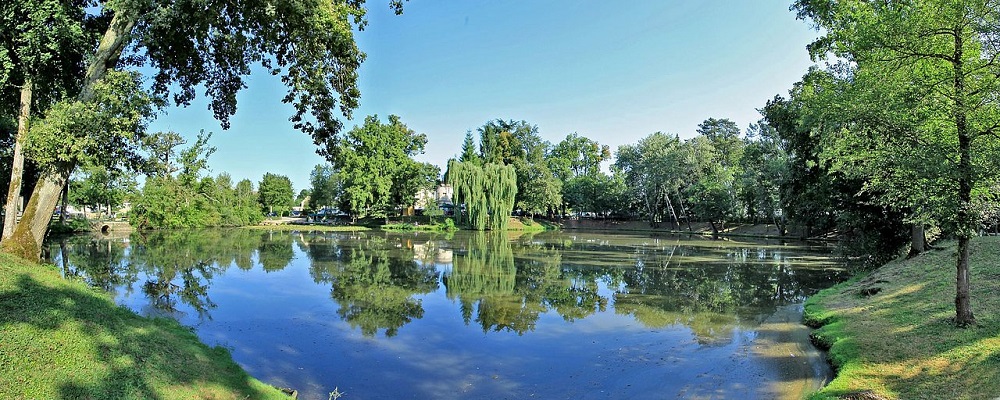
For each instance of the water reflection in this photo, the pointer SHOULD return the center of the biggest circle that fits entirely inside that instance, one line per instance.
(528, 298)
(502, 285)
(374, 290)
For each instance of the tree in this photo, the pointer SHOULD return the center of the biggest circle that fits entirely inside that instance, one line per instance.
(326, 187)
(503, 142)
(517, 143)
(654, 172)
(577, 156)
(948, 53)
(411, 178)
(576, 162)
(469, 154)
(722, 168)
(188, 198)
(541, 193)
(41, 55)
(100, 187)
(162, 154)
(763, 169)
(275, 193)
(725, 138)
(310, 43)
(377, 166)
(488, 192)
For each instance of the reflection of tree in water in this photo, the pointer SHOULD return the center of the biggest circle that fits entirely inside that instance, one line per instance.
(711, 298)
(98, 261)
(180, 265)
(374, 290)
(507, 298)
(276, 251)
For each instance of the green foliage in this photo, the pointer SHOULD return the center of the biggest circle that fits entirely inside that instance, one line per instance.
(106, 132)
(541, 192)
(275, 193)
(72, 225)
(100, 187)
(711, 200)
(309, 43)
(654, 171)
(763, 168)
(577, 156)
(44, 47)
(504, 142)
(469, 154)
(377, 167)
(488, 193)
(927, 75)
(433, 210)
(191, 200)
(517, 143)
(162, 154)
(326, 187)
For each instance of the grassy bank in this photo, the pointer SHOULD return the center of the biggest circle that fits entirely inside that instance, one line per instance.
(890, 333)
(309, 227)
(61, 339)
(522, 224)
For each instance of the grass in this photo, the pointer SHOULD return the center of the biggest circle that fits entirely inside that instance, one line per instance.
(309, 227)
(61, 339)
(529, 225)
(901, 342)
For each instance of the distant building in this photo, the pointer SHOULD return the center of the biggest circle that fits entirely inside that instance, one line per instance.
(442, 194)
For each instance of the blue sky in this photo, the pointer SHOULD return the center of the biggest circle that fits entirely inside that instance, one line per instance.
(613, 71)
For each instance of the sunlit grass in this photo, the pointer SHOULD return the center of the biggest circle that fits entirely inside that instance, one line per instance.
(61, 339)
(307, 228)
(901, 342)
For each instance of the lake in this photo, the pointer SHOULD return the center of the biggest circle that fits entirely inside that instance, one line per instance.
(553, 315)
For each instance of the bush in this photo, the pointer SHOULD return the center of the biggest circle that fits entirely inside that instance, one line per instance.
(72, 225)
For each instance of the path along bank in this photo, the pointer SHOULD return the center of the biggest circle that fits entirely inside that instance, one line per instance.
(890, 333)
(62, 339)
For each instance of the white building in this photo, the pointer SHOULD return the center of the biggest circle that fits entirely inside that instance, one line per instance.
(442, 194)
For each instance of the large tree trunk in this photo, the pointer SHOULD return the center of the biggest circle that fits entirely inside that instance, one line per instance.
(917, 240)
(17, 169)
(26, 240)
(28, 235)
(963, 307)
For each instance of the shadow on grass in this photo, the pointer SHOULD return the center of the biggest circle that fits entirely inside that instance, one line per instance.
(74, 343)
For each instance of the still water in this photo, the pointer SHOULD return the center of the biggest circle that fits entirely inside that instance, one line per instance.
(569, 315)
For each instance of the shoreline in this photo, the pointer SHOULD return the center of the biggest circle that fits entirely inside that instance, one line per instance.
(890, 332)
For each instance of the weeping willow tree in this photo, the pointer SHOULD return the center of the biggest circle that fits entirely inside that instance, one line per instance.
(488, 193)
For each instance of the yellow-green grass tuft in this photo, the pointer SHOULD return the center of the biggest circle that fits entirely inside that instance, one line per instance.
(61, 339)
(309, 227)
(891, 333)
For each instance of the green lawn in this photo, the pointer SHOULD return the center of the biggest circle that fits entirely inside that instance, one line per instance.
(900, 342)
(310, 227)
(61, 339)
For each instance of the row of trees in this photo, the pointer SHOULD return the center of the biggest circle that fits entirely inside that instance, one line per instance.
(719, 175)
(177, 192)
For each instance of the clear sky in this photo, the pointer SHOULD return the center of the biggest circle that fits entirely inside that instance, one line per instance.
(613, 71)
